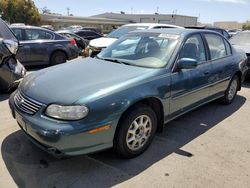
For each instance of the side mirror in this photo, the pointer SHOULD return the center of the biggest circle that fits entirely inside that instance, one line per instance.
(187, 63)
(11, 45)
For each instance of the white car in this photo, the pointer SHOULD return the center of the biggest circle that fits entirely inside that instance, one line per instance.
(96, 45)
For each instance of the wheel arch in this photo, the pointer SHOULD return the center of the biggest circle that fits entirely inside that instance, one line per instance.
(58, 50)
(154, 103)
(239, 74)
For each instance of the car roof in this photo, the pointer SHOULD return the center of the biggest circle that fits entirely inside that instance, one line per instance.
(151, 25)
(175, 31)
(29, 27)
(203, 27)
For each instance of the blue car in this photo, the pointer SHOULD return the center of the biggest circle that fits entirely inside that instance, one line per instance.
(129, 91)
(39, 46)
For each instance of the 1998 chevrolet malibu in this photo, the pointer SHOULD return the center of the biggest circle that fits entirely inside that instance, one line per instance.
(129, 91)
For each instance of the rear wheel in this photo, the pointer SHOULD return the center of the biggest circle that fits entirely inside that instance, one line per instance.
(231, 91)
(135, 131)
(58, 58)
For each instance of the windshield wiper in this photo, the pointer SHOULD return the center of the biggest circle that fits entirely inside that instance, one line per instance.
(113, 60)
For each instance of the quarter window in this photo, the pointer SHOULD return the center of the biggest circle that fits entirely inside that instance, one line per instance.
(194, 49)
(216, 46)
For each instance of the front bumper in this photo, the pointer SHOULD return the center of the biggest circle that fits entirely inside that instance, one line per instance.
(62, 138)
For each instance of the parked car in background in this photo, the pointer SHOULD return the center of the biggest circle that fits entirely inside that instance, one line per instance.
(11, 71)
(96, 45)
(87, 34)
(242, 41)
(17, 24)
(131, 89)
(216, 29)
(233, 32)
(49, 27)
(81, 42)
(95, 29)
(38, 46)
(74, 27)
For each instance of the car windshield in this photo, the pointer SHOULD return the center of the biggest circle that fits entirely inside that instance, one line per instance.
(152, 50)
(242, 38)
(124, 30)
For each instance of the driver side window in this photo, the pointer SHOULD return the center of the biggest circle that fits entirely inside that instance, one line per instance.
(194, 49)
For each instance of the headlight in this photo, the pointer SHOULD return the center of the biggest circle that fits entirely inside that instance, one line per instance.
(67, 112)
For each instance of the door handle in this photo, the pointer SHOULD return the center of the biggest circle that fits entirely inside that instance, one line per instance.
(206, 72)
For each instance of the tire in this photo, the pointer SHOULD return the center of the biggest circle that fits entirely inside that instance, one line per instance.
(130, 139)
(231, 91)
(58, 58)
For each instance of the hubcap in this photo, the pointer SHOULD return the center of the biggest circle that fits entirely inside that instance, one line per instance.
(232, 89)
(139, 132)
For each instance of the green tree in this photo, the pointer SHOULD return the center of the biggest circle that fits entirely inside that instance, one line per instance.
(19, 11)
(246, 27)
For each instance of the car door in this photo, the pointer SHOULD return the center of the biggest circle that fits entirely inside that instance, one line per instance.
(190, 87)
(220, 56)
(36, 45)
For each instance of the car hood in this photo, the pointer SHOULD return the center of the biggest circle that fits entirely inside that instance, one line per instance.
(83, 80)
(245, 48)
(102, 42)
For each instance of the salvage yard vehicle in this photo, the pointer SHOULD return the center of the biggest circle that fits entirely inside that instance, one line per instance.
(80, 42)
(242, 41)
(11, 71)
(39, 46)
(88, 34)
(129, 91)
(96, 45)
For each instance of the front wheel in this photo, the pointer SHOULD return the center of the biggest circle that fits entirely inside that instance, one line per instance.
(135, 131)
(231, 91)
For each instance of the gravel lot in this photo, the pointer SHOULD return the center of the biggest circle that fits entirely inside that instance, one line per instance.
(209, 147)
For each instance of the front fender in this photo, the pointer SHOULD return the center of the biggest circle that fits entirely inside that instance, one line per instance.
(111, 107)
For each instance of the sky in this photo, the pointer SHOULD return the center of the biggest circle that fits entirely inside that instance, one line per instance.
(207, 11)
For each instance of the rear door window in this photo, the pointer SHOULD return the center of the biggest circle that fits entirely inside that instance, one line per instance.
(36, 34)
(216, 46)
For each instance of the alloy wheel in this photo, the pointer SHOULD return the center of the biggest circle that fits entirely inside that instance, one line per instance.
(139, 132)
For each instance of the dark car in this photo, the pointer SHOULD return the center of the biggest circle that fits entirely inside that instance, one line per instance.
(216, 29)
(81, 42)
(95, 29)
(131, 89)
(88, 34)
(11, 71)
(242, 41)
(39, 46)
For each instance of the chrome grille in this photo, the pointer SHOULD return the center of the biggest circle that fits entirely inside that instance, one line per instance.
(26, 104)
